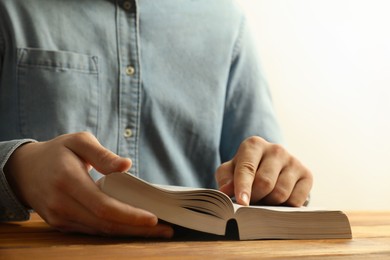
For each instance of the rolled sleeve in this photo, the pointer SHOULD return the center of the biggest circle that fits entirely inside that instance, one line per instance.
(10, 207)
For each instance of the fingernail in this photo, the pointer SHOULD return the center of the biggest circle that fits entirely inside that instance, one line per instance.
(244, 198)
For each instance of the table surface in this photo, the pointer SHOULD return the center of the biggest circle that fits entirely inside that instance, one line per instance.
(35, 239)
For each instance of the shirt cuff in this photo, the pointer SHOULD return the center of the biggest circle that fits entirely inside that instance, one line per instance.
(11, 209)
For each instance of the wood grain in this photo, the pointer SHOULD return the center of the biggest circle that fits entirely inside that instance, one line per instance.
(35, 239)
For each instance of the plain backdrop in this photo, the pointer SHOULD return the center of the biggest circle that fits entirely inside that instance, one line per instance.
(328, 66)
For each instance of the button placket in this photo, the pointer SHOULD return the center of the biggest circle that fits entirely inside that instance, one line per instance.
(130, 81)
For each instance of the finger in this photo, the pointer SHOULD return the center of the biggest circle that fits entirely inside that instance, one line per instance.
(103, 227)
(87, 147)
(246, 162)
(80, 186)
(110, 209)
(79, 220)
(300, 194)
(160, 230)
(224, 178)
(72, 227)
(71, 216)
(266, 177)
(283, 188)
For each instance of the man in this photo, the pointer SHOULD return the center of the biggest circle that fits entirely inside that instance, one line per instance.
(173, 85)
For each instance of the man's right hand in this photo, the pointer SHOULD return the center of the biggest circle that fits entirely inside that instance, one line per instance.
(52, 178)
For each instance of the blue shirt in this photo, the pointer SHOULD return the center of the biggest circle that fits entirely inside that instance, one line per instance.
(175, 85)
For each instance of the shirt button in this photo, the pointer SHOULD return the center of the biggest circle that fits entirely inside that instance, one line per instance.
(130, 70)
(128, 133)
(127, 5)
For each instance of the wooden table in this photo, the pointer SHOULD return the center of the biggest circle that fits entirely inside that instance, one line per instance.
(34, 239)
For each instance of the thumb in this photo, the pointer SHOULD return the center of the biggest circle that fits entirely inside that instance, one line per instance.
(118, 164)
(88, 148)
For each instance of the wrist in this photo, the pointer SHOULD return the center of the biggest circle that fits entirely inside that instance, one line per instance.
(12, 171)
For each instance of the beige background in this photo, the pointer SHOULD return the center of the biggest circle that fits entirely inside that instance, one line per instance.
(328, 66)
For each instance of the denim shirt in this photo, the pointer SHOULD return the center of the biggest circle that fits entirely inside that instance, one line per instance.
(175, 85)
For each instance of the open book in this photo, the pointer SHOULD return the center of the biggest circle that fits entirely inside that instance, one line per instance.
(209, 210)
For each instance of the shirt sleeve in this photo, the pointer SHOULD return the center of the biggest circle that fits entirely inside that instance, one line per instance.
(10, 208)
(248, 106)
(2, 49)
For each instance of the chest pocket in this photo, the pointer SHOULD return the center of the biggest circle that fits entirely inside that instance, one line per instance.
(58, 92)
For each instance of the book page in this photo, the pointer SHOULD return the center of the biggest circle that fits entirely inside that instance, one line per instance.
(201, 209)
(177, 188)
(209, 201)
(281, 208)
(291, 223)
